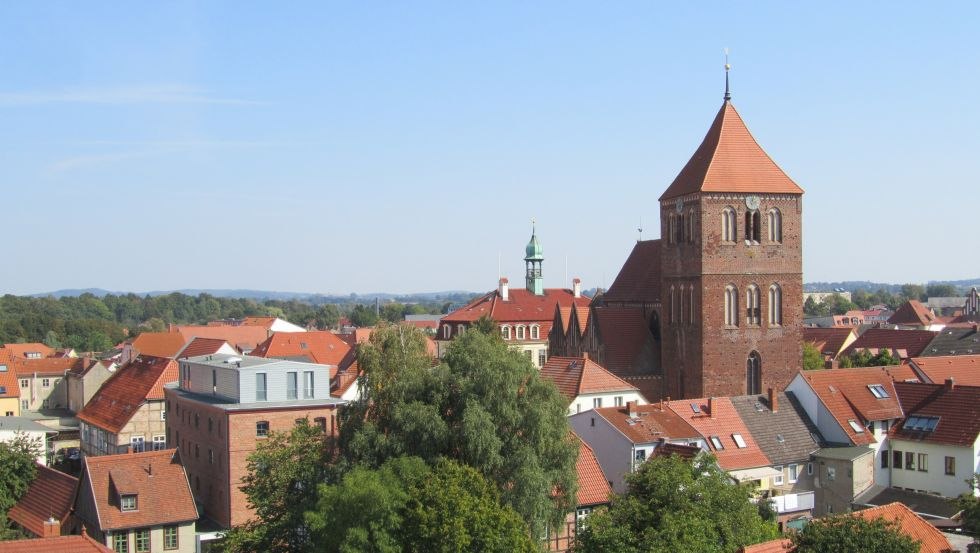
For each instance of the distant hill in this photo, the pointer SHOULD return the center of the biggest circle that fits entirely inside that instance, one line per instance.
(258, 295)
(853, 285)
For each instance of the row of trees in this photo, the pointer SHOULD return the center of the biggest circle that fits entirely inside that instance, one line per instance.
(863, 299)
(92, 323)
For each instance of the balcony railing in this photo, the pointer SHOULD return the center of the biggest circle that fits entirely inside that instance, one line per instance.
(792, 502)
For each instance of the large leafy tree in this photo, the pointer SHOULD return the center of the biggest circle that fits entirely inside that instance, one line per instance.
(970, 504)
(18, 469)
(852, 534)
(676, 505)
(485, 405)
(281, 483)
(407, 506)
(812, 360)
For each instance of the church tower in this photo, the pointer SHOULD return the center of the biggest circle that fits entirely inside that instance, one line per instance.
(731, 268)
(533, 257)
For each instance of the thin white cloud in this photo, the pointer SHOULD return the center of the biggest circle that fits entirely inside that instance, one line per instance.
(148, 149)
(141, 94)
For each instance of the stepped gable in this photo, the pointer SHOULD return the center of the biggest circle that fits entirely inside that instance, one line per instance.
(50, 495)
(730, 160)
(521, 306)
(639, 279)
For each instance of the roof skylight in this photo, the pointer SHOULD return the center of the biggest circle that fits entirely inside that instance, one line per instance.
(716, 442)
(921, 423)
(739, 441)
(856, 426)
(878, 391)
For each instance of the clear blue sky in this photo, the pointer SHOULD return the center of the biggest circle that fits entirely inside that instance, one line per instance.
(403, 146)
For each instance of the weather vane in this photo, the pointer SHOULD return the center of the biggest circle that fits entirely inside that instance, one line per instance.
(728, 67)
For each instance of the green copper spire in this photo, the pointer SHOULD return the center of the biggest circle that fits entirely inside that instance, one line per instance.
(534, 255)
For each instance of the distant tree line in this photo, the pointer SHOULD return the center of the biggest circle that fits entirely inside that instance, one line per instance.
(91, 323)
(863, 299)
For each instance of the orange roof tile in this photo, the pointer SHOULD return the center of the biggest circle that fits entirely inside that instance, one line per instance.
(964, 369)
(8, 382)
(912, 312)
(318, 346)
(201, 346)
(344, 380)
(521, 307)
(651, 424)
(125, 391)
(59, 544)
(593, 488)
(21, 350)
(957, 408)
(910, 524)
(628, 343)
(51, 494)
(574, 376)
(721, 419)
(846, 394)
(55, 366)
(730, 160)
(913, 342)
(243, 337)
(638, 280)
(780, 545)
(157, 477)
(159, 344)
(828, 341)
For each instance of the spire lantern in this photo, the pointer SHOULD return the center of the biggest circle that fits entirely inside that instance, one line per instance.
(533, 257)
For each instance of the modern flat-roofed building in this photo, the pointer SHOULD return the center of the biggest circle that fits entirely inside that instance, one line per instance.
(223, 406)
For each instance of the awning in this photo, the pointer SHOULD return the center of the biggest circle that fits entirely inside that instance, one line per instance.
(758, 473)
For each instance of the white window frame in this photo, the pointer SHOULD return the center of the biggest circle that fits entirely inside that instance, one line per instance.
(159, 442)
(519, 332)
(137, 444)
(535, 332)
(739, 440)
(794, 473)
(447, 331)
(505, 332)
(778, 480)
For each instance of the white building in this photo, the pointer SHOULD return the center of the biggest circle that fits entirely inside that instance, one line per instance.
(587, 385)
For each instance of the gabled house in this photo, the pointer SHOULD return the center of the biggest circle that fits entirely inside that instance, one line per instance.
(84, 379)
(272, 324)
(935, 447)
(914, 315)
(587, 385)
(12, 428)
(851, 407)
(42, 381)
(154, 344)
(954, 340)
(128, 414)
(787, 437)
(45, 508)
(963, 369)
(900, 343)
(322, 347)
(138, 502)
(830, 342)
(205, 346)
(624, 437)
(593, 492)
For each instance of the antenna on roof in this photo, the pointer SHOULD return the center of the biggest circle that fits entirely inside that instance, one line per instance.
(728, 67)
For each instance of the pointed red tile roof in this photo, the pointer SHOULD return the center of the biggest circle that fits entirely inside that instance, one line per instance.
(720, 419)
(958, 410)
(730, 160)
(574, 376)
(59, 544)
(51, 494)
(912, 312)
(318, 346)
(828, 341)
(201, 346)
(593, 488)
(846, 394)
(638, 280)
(910, 524)
(963, 369)
(913, 342)
(125, 391)
(21, 350)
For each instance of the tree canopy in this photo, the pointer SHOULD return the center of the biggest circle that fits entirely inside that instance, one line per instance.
(970, 504)
(852, 534)
(864, 358)
(485, 406)
(812, 359)
(18, 468)
(677, 505)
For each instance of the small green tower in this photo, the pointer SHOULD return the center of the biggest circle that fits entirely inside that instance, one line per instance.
(533, 258)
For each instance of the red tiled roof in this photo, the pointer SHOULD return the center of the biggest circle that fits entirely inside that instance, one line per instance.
(912, 312)
(201, 346)
(625, 337)
(651, 424)
(845, 393)
(581, 317)
(574, 376)
(902, 372)
(157, 477)
(964, 369)
(780, 545)
(958, 410)
(730, 160)
(265, 322)
(125, 391)
(243, 337)
(681, 450)
(344, 380)
(361, 335)
(521, 307)
(828, 341)
(8, 381)
(910, 524)
(722, 420)
(593, 488)
(639, 279)
(51, 494)
(21, 350)
(317, 346)
(59, 544)
(87, 364)
(56, 366)
(159, 344)
(914, 342)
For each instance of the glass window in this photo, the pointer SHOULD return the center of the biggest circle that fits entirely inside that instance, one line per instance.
(909, 460)
(262, 429)
(794, 473)
(775, 305)
(142, 539)
(809, 469)
(716, 443)
(596, 402)
(739, 440)
(778, 480)
(120, 542)
(170, 537)
(260, 389)
(831, 474)
(308, 385)
(884, 458)
(950, 466)
(535, 332)
(618, 401)
(520, 332)
(321, 423)
(923, 462)
(127, 502)
(24, 383)
(505, 332)
(878, 391)
(752, 316)
(159, 442)
(292, 385)
(542, 357)
(137, 444)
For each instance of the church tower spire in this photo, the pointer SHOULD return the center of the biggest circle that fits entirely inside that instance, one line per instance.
(533, 257)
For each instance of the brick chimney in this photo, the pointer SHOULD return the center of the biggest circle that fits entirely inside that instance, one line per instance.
(631, 409)
(950, 383)
(711, 407)
(773, 400)
(577, 287)
(52, 528)
(503, 289)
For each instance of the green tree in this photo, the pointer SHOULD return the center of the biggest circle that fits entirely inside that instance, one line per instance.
(281, 485)
(847, 533)
(913, 292)
(407, 506)
(18, 468)
(363, 316)
(812, 359)
(485, 405)
(677, 505)
(941, 291)
(970, 504)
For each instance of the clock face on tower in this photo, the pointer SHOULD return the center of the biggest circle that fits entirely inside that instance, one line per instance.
(752, 202)
(679, 205)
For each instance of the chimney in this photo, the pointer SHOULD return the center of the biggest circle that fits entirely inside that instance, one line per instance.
(711, 407)
(950, 383)
(52, 528)
(585, 356)
(631, 409)
(577, 287)
(503, 290)
(773, 401)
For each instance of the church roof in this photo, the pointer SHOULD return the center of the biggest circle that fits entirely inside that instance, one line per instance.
(730, 160)
(639, 279)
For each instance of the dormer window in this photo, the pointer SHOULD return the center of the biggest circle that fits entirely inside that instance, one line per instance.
(520, 332)
(127, 502)
(535, 332)
(505, 332)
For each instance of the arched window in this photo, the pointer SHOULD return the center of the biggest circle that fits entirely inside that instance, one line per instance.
(460, 329)
(520, 331)
(505, 332)
(728, 228)
(753, 224)
(446, 331)
(690, 304)
(673, 305)
(753, 374)
(775, 221)
(753, 316)
(680, 305)
(775, 305)
(671, 229)
(690, 226)
(680, 228)
(535, 332)
(731, 306)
